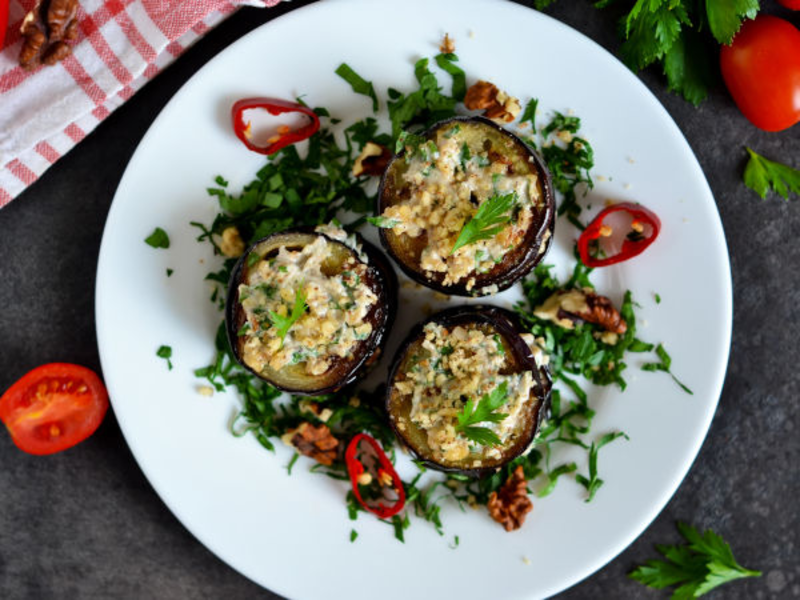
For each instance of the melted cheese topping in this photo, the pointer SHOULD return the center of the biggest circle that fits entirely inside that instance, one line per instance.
(331, 327)
(450, 367)
(447, 185)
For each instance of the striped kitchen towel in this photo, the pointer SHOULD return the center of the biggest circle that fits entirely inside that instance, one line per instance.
(120, 46)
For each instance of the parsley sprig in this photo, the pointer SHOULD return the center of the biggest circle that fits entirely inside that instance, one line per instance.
(761, 175)
(283, 324)
(695, 568)
(490, 219)
(672, 33)
(485, 412)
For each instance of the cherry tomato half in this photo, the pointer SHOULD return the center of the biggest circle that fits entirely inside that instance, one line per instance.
(793, 4)
(761, 68)
(54, 407)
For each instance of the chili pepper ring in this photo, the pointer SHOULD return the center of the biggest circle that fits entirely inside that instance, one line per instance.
(634, 243)
(274, 106)
(355, 468)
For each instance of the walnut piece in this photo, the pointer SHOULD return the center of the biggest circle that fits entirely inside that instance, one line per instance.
(448, 45)
(496, 104)
(372, 160)
(510, 504)
(56, 52)
(565, 307)
(45, 30)
(231, 243)
(316, 442)
(601, 311)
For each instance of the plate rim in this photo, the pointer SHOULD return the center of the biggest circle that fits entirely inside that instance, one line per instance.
(613, 550)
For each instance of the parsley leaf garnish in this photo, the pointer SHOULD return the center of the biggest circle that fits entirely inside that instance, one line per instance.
(165, 352)
(761, 174)
(485, 412)
(695, 568)
(358, 83)
(158, 239)
(283, 324)
(490, 219)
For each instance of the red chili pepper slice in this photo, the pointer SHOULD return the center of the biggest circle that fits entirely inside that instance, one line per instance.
(274, 106)
(645, 226)
(355, 468)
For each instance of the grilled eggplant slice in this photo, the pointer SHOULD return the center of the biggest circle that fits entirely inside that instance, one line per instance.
(453, 360)
(440, 182)
(308, 310)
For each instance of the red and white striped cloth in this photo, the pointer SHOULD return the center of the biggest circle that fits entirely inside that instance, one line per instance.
(121, 46)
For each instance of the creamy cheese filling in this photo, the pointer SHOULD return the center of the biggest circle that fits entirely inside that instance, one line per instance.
(333, 323)
(450, 367)
(448, 182)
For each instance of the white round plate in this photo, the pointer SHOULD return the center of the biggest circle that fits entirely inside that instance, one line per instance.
(291, 533)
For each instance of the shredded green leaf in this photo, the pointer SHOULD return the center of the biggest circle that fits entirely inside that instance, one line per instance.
(165, 352)
(158, 239)
(358, 83)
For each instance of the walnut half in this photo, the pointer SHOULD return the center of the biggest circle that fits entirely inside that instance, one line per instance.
(510, 504)
(496, 104)
(45, 30)
(315, 442)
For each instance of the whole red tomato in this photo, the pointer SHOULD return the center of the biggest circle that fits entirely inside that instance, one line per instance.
(793, 4)
(761, 68)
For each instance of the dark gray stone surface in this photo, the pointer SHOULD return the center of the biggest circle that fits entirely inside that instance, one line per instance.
(86, 523)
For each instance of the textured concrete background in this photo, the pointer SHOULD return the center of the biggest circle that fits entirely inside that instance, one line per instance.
(86, 523)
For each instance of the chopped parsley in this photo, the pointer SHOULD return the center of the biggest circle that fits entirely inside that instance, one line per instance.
(529, 114)
(158, 239)
(165, 352)
(693, 569)
(358, 83)
(290, 190)
(762, 175)
(592, 483)
(490, 219)
(664, 364)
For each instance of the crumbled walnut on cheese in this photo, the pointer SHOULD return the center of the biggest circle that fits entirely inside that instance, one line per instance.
(332, 326)
(450, 367)
(446, 189)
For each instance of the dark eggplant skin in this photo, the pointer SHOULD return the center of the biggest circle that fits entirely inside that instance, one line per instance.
(516, 264)
(509, 327)
(381, 279)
